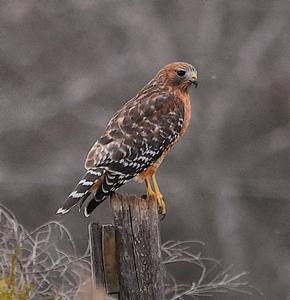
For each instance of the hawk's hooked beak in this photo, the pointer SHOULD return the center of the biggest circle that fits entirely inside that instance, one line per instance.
(193, 78)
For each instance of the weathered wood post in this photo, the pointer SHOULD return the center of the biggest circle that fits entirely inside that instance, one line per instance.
(103, 257)
(137, 250)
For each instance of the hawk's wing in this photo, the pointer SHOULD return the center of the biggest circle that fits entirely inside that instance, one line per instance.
(138, 134)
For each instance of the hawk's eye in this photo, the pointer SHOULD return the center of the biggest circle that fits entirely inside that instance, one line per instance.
(180, 73)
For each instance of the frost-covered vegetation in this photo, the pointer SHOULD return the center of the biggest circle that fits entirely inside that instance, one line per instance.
(43, 264)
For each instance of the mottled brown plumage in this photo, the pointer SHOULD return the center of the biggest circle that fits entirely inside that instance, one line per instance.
(138, 137)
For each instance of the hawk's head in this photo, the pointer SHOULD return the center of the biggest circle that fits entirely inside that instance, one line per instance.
(179, 74)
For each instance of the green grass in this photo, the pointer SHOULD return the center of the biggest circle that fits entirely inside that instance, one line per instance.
(10, 287)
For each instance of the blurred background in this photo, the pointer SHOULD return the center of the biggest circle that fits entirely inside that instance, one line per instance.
(67, 66)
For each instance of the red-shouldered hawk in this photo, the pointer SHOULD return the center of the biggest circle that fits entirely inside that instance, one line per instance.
(137, 139)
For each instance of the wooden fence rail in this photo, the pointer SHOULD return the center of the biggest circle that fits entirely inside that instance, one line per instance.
(126, 256)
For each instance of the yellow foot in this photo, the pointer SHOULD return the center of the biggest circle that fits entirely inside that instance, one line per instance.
(156, 194)
(150, 192)
(160, 203)
(159, 197)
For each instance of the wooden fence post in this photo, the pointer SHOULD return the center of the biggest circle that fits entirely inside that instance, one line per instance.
(97, 267)
(136, 250)
(139, 249)
(103, 257)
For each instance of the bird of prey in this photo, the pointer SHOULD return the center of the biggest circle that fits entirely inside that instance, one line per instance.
(137, 139)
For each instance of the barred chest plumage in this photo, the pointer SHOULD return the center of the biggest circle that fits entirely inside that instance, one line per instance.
(183, 101)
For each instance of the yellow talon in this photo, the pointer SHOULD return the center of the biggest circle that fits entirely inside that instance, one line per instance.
(149, 190)
(161, 204)
(159, 197)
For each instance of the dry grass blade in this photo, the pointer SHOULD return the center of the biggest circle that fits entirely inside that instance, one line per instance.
(211, 277)
(45, 258)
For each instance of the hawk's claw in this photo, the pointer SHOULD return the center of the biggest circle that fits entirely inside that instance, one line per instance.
(161, 204)
(162, 217)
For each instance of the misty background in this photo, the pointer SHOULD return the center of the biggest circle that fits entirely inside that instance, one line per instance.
(67, 66)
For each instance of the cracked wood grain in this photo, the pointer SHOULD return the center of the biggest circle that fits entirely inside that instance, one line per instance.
(138, 248)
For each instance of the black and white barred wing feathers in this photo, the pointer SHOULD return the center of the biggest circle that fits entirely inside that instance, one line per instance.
(134, 139)
(138, 134)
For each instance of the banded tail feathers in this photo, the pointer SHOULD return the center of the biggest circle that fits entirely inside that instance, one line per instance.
(100, 182)
(88, 184)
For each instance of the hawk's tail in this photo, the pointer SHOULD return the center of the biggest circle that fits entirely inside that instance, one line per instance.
(110, 183)
(89, 183)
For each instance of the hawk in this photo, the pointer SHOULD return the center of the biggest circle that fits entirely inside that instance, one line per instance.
(137, 139)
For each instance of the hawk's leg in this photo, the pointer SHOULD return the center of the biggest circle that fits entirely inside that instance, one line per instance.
(159, 197)
(149, 190)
